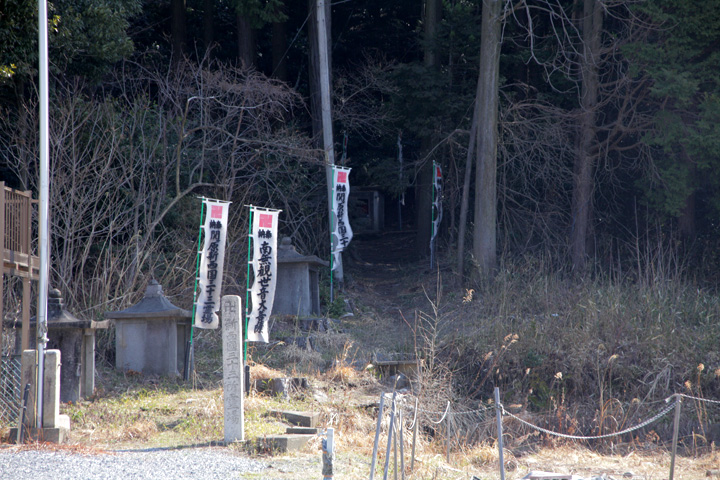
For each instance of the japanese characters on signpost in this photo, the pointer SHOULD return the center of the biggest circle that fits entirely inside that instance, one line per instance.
(436, 210)
(263, 236)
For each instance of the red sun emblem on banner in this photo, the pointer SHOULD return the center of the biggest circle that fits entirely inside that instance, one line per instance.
(439, 172)
(265, 220)
(216, 211)
(342, 177)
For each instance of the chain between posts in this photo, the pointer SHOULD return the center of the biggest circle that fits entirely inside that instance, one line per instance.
(657, 417)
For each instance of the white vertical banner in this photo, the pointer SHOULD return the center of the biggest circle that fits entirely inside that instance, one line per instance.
(342, 233)
(437, 211)
(264, 263)
(211, 263)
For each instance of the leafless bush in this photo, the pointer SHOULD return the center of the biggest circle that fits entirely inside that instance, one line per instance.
(127, 161)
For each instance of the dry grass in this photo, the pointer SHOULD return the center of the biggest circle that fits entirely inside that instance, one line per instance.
(576, 357)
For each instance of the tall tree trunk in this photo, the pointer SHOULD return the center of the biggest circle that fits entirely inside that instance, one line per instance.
(178, 34)
(465, 201)
(246, 42)
(314, 69)
(279, 47)
(424, 182)
(208, 25)
(586, 157)
(485, 229)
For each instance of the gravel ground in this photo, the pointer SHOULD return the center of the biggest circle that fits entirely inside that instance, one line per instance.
(188, 463)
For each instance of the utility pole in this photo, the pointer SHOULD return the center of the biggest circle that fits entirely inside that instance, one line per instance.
(327, 128)
(44, 206)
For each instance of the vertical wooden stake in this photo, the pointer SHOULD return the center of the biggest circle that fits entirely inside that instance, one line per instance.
(498, 414)
(676, 427)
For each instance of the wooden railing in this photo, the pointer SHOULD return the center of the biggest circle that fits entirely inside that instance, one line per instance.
(16, 233)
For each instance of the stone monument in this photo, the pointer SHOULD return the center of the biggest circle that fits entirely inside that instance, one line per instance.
(233, 371)
(151, 336)
(297, 290)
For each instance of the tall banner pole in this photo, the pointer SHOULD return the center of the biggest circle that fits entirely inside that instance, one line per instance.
(44, 226)
(340, 232)
(332, 230)
(432, 221)
(436, 210)
(191, 352)
(215, 226)
(264, 263)
(401, 197)
(247, 284)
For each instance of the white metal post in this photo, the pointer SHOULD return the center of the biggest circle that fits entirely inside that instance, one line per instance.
(44, 205)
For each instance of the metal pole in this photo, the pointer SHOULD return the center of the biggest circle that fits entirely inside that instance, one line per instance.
(402, 448)
(377, 436)
(328, 454)
(44, 205)
(448, 430)
(395, 446)
(390, 435)
(415, 430)
(676, 427)
(498, 414)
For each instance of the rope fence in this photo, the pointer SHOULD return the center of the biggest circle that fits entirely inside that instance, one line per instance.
(397, 407)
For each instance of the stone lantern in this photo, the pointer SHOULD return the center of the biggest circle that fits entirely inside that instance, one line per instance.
(297, 291)
(75, 338)
(151, 336)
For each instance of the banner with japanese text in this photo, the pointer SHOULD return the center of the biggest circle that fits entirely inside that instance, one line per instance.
(437, 211)
(437, 199)
(342, 233)
(264, 263)
(211, 263)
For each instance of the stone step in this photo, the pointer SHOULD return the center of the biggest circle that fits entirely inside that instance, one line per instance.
(302, 430)
(283, 443)
(299, 419)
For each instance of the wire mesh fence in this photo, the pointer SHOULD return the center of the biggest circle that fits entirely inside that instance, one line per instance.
(10, 389)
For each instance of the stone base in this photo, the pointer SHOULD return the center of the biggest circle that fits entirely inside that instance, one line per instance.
(57, 434)
(283, 443)
(50, 435)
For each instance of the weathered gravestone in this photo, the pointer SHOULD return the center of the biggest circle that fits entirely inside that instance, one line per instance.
(233, 380)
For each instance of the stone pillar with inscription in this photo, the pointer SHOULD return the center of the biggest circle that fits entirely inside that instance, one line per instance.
(233, 371)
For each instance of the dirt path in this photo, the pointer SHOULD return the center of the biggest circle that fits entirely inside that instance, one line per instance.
(382, 283)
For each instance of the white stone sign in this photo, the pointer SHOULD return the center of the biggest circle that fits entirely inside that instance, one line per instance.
(233, 371)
